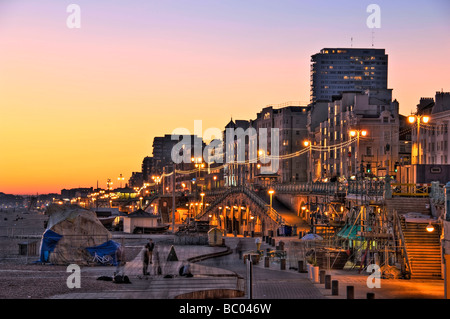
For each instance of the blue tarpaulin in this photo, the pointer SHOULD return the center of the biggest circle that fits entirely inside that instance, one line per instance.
(49, 241)
(106, 249)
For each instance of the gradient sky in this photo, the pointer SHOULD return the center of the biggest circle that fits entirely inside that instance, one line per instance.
(81, 105)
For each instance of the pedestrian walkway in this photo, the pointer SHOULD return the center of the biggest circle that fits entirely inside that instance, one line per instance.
(388, 288)
(229, 273)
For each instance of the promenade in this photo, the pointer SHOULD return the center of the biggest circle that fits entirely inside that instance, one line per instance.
(228, 273)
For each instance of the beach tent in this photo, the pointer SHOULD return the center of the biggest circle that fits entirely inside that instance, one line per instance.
(49, 241)
(72, 229)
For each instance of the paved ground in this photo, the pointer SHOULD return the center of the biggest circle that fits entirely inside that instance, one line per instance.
(229, 272)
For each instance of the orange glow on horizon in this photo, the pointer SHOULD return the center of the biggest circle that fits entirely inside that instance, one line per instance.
(81, 106)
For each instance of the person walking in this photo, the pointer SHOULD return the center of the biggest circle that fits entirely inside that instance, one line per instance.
(145, 262)
(150, 246)
(147, 257)
(258, 243)
(120, 260)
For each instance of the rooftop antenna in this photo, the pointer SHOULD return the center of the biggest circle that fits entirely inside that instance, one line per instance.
(373, 36)
(351, 42)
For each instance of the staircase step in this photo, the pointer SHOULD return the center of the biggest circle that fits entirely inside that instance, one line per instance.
(426, 277)
(423, 248)
(425, 257)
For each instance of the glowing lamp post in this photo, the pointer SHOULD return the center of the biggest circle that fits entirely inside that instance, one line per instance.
(309, 144)
(357, 133)
(120, 179)
(271, 192)
(418, 119)
(202, 195)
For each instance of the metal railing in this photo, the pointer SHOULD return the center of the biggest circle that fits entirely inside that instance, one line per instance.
(272, 213)
(399, 231)
(411, 190)
(365, 187)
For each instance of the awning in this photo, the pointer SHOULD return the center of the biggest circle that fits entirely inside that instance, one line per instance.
(349, 232)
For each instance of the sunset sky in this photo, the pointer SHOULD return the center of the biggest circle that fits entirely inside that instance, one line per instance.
(82, 105)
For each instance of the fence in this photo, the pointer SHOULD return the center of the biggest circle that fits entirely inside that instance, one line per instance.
(21, 232)
(373, 188)
(411, 190)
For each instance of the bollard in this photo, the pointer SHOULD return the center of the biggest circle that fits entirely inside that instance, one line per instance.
(327, 281)
(370, 295)
(315, 274)
(240, 254)
(350, 292)
(273, 241)
(301, 267)
(281, 245)
(266, 262)
(322, 276)
(334, 288)
(283, 264)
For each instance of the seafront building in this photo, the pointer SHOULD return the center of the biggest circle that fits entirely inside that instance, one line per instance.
(334, 70)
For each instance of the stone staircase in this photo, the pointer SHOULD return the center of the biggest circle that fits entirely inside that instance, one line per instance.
(423, 249)
(405, 205)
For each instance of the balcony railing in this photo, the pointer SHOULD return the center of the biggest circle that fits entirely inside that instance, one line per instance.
(371, 188)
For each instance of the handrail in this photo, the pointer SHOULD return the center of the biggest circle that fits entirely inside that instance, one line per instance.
(403, 247)
(366, 187)
(401, 189)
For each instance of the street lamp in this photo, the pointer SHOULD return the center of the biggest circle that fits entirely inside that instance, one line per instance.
(357, 133)
(309, 144)
(198, 164)
(418, 118)
(157, 180)
(271, 192)
(430, 228)
(120, 178)
(202, 195)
